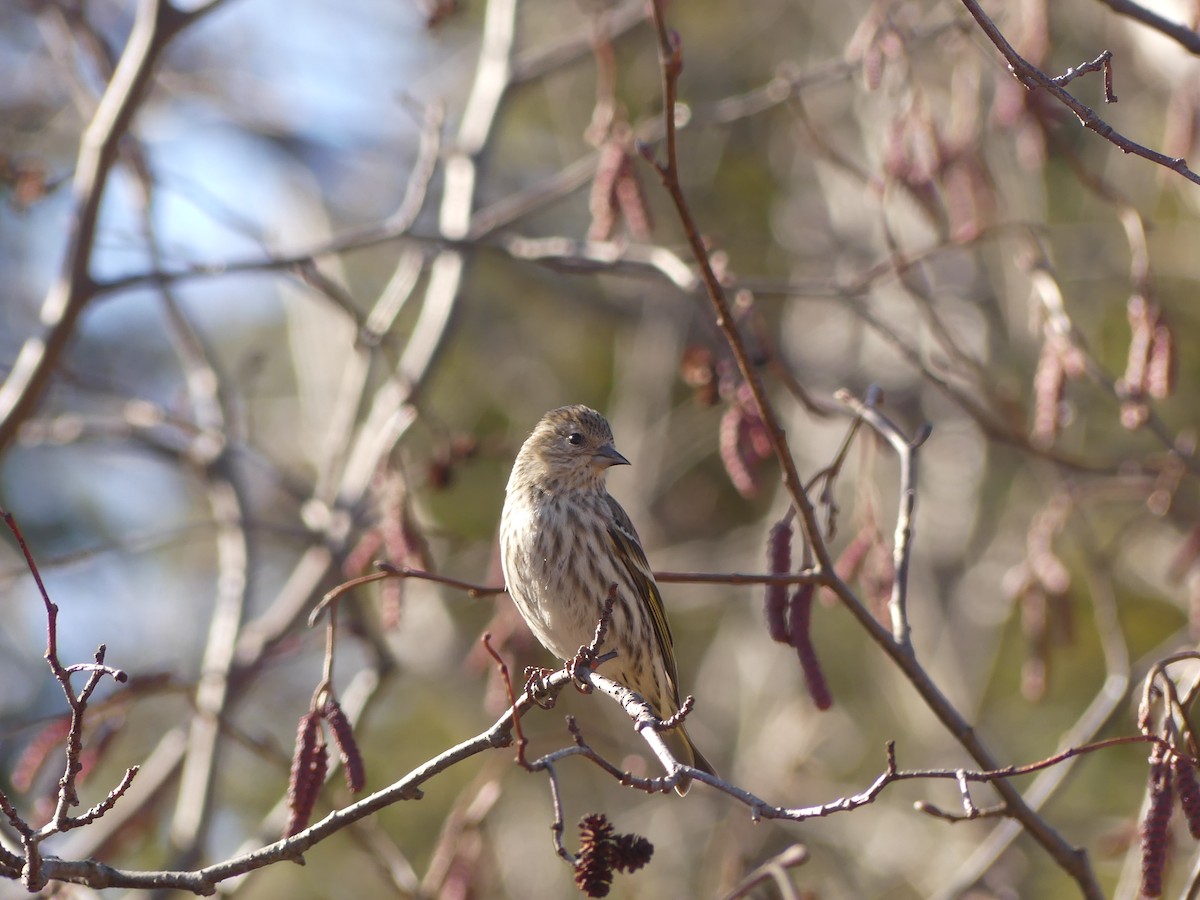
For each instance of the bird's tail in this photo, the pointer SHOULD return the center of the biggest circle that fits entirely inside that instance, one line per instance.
(680, 744)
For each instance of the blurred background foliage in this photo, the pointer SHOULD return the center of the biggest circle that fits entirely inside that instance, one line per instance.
(887, 205)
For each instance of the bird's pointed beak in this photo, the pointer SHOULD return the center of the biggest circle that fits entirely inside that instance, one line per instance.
(608, 456)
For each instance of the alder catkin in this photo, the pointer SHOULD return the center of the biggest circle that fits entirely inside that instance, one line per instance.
(1189, 792)
(779, 562)
(800, 624)
(343, 736)
(309, 765)
(1154, 825)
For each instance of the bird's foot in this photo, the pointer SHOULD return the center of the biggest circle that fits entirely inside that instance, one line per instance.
(535, 686)
(585, 659)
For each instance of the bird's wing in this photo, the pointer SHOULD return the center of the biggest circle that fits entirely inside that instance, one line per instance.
(630, 552)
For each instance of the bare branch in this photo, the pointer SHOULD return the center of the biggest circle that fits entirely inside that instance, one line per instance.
(1033, 77)
(906, 449)
(1186, 37)
(156, 23)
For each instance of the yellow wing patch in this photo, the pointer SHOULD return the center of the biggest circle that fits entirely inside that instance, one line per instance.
(630, 552)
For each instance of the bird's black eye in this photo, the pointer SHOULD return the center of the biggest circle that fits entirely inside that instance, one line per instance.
(575, 438)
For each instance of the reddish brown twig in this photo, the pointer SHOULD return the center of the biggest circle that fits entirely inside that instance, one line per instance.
(1034, 78)
(512, 699)
(33, 875)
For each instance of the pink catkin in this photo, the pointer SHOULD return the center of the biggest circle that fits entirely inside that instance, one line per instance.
(1189, 792)
(729, 443)
(1154, 826)
(1141, 327)
(878, 577)
(343, 736)
(851, 560)
(1048, 384)
(1046, 565)
(49, 739)
(309, 765)
(1132, 385)
(800, 623)
(602, 204)
(631, 200)
(1160, 368)
(779, 562)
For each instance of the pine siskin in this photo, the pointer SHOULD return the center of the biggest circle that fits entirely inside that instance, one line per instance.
(564, 541)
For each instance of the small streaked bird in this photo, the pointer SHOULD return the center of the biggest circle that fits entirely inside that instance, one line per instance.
(564, 541)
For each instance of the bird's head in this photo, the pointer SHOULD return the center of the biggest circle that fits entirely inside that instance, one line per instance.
(571, 445)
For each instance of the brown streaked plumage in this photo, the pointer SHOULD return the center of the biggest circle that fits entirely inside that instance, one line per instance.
(564, 541)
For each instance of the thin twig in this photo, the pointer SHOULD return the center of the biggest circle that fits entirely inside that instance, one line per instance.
(906, 451)
(1033, 77)
(1181, 34)
(471, 589)
(774, 869)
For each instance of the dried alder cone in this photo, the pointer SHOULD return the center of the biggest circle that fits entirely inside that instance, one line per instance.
(602, 851)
